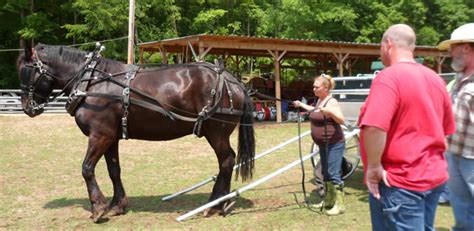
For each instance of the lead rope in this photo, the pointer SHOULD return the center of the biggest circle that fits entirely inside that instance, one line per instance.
(301, 159)
(327, 154)
(306, 201)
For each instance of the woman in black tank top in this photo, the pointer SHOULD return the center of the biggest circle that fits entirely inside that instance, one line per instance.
(326, 118)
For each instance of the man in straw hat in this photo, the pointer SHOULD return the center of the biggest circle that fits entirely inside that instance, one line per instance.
(404, 122)
(460, 154)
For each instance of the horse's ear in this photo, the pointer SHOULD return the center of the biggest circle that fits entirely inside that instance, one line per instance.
(28, 53)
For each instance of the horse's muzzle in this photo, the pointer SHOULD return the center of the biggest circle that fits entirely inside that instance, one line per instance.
(33, 111)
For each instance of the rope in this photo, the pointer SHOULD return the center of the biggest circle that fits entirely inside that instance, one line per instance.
(301, 158)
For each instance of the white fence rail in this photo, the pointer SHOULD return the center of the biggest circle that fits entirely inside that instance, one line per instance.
(10, 98)
(10, 102)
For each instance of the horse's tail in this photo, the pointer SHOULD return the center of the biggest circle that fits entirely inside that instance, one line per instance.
(246, 150)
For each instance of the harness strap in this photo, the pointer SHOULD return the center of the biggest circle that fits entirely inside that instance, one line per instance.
(84, 81)
(212, 104)
(74, 100)
(138, 102)
(229, 92)
(154, 107)
(129, 76)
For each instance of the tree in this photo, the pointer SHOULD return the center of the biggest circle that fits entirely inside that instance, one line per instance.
(101, 20)
(81, 21)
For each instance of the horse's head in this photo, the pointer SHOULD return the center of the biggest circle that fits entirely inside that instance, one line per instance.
(43, 69)
(37, 82)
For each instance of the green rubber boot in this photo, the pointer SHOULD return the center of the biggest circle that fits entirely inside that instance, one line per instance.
(329, 198)
(338, 207)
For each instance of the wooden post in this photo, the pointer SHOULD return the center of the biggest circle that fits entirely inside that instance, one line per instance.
(276, 62)
(340, 62)
(131, 31)
(164, 55)
(439, 63)
(141, 56)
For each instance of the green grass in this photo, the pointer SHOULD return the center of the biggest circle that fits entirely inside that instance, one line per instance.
(41, 185)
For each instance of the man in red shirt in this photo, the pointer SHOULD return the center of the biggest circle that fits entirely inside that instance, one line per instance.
(403, 124)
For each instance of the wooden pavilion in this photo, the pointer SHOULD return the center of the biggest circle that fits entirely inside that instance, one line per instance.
(344, 54)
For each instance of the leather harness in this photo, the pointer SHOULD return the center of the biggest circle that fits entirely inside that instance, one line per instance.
(80, 91)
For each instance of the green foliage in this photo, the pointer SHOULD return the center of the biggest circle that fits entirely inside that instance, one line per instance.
(451, 15)
(82, 21)
(427, 36)
(37, 25)
(208, 22)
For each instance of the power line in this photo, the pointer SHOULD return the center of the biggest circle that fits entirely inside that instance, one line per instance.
(74, 45)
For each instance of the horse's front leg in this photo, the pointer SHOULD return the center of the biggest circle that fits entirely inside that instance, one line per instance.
(119, 202)
(96, 148)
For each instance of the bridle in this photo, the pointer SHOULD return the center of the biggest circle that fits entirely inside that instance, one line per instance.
(41, 72)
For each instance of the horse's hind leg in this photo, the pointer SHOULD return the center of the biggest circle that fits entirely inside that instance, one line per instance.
(95, 150)
(119, 202)
(225, 156)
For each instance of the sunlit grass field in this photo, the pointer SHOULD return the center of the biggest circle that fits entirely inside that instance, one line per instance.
(41, 186)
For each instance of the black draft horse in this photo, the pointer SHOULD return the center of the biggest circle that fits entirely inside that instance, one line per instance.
(110, 102)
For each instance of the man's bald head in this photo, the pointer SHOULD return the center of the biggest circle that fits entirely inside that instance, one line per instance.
(401, 35)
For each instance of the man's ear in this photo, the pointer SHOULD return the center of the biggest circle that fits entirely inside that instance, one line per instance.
(468, 47)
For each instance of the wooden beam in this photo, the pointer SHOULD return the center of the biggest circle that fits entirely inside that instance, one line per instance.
(203, 53)
(164, 55)
(439, 63)
(340, 62)
(131, 32)
(196, 58)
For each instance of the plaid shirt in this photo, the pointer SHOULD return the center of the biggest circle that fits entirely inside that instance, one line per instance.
(462, 141)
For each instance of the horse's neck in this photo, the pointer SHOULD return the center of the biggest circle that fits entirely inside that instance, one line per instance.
(65, 74)
(77, 71)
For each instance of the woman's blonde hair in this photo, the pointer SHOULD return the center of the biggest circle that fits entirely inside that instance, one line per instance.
(328, 81)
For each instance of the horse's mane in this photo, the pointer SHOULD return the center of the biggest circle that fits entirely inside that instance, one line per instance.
(60, 55)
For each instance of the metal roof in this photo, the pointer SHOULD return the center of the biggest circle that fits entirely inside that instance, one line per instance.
(258, 46)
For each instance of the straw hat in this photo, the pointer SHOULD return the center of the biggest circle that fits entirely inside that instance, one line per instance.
(463, 34)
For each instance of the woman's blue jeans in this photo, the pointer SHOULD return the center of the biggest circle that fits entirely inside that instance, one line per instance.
(401, 209)
(331, 163)
(461, 190)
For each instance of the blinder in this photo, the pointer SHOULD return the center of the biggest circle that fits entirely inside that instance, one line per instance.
(37, 84)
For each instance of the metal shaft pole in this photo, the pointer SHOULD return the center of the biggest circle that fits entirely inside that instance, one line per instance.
(237, 192)
(245, 188)
(213, 178)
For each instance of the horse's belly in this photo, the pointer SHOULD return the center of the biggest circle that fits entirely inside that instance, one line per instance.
(158, 129)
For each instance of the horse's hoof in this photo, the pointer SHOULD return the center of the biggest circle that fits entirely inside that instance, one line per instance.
(227, 208)
(115, 211)
(98, 214)
(96, 218)
(211, 212)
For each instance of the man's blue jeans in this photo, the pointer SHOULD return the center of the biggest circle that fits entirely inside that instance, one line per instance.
(401, 209)
(331, 163)
(461, 190)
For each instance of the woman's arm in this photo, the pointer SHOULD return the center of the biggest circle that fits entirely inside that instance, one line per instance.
(307, 107)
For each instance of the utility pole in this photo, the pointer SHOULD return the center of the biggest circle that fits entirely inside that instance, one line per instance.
(131, 31)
